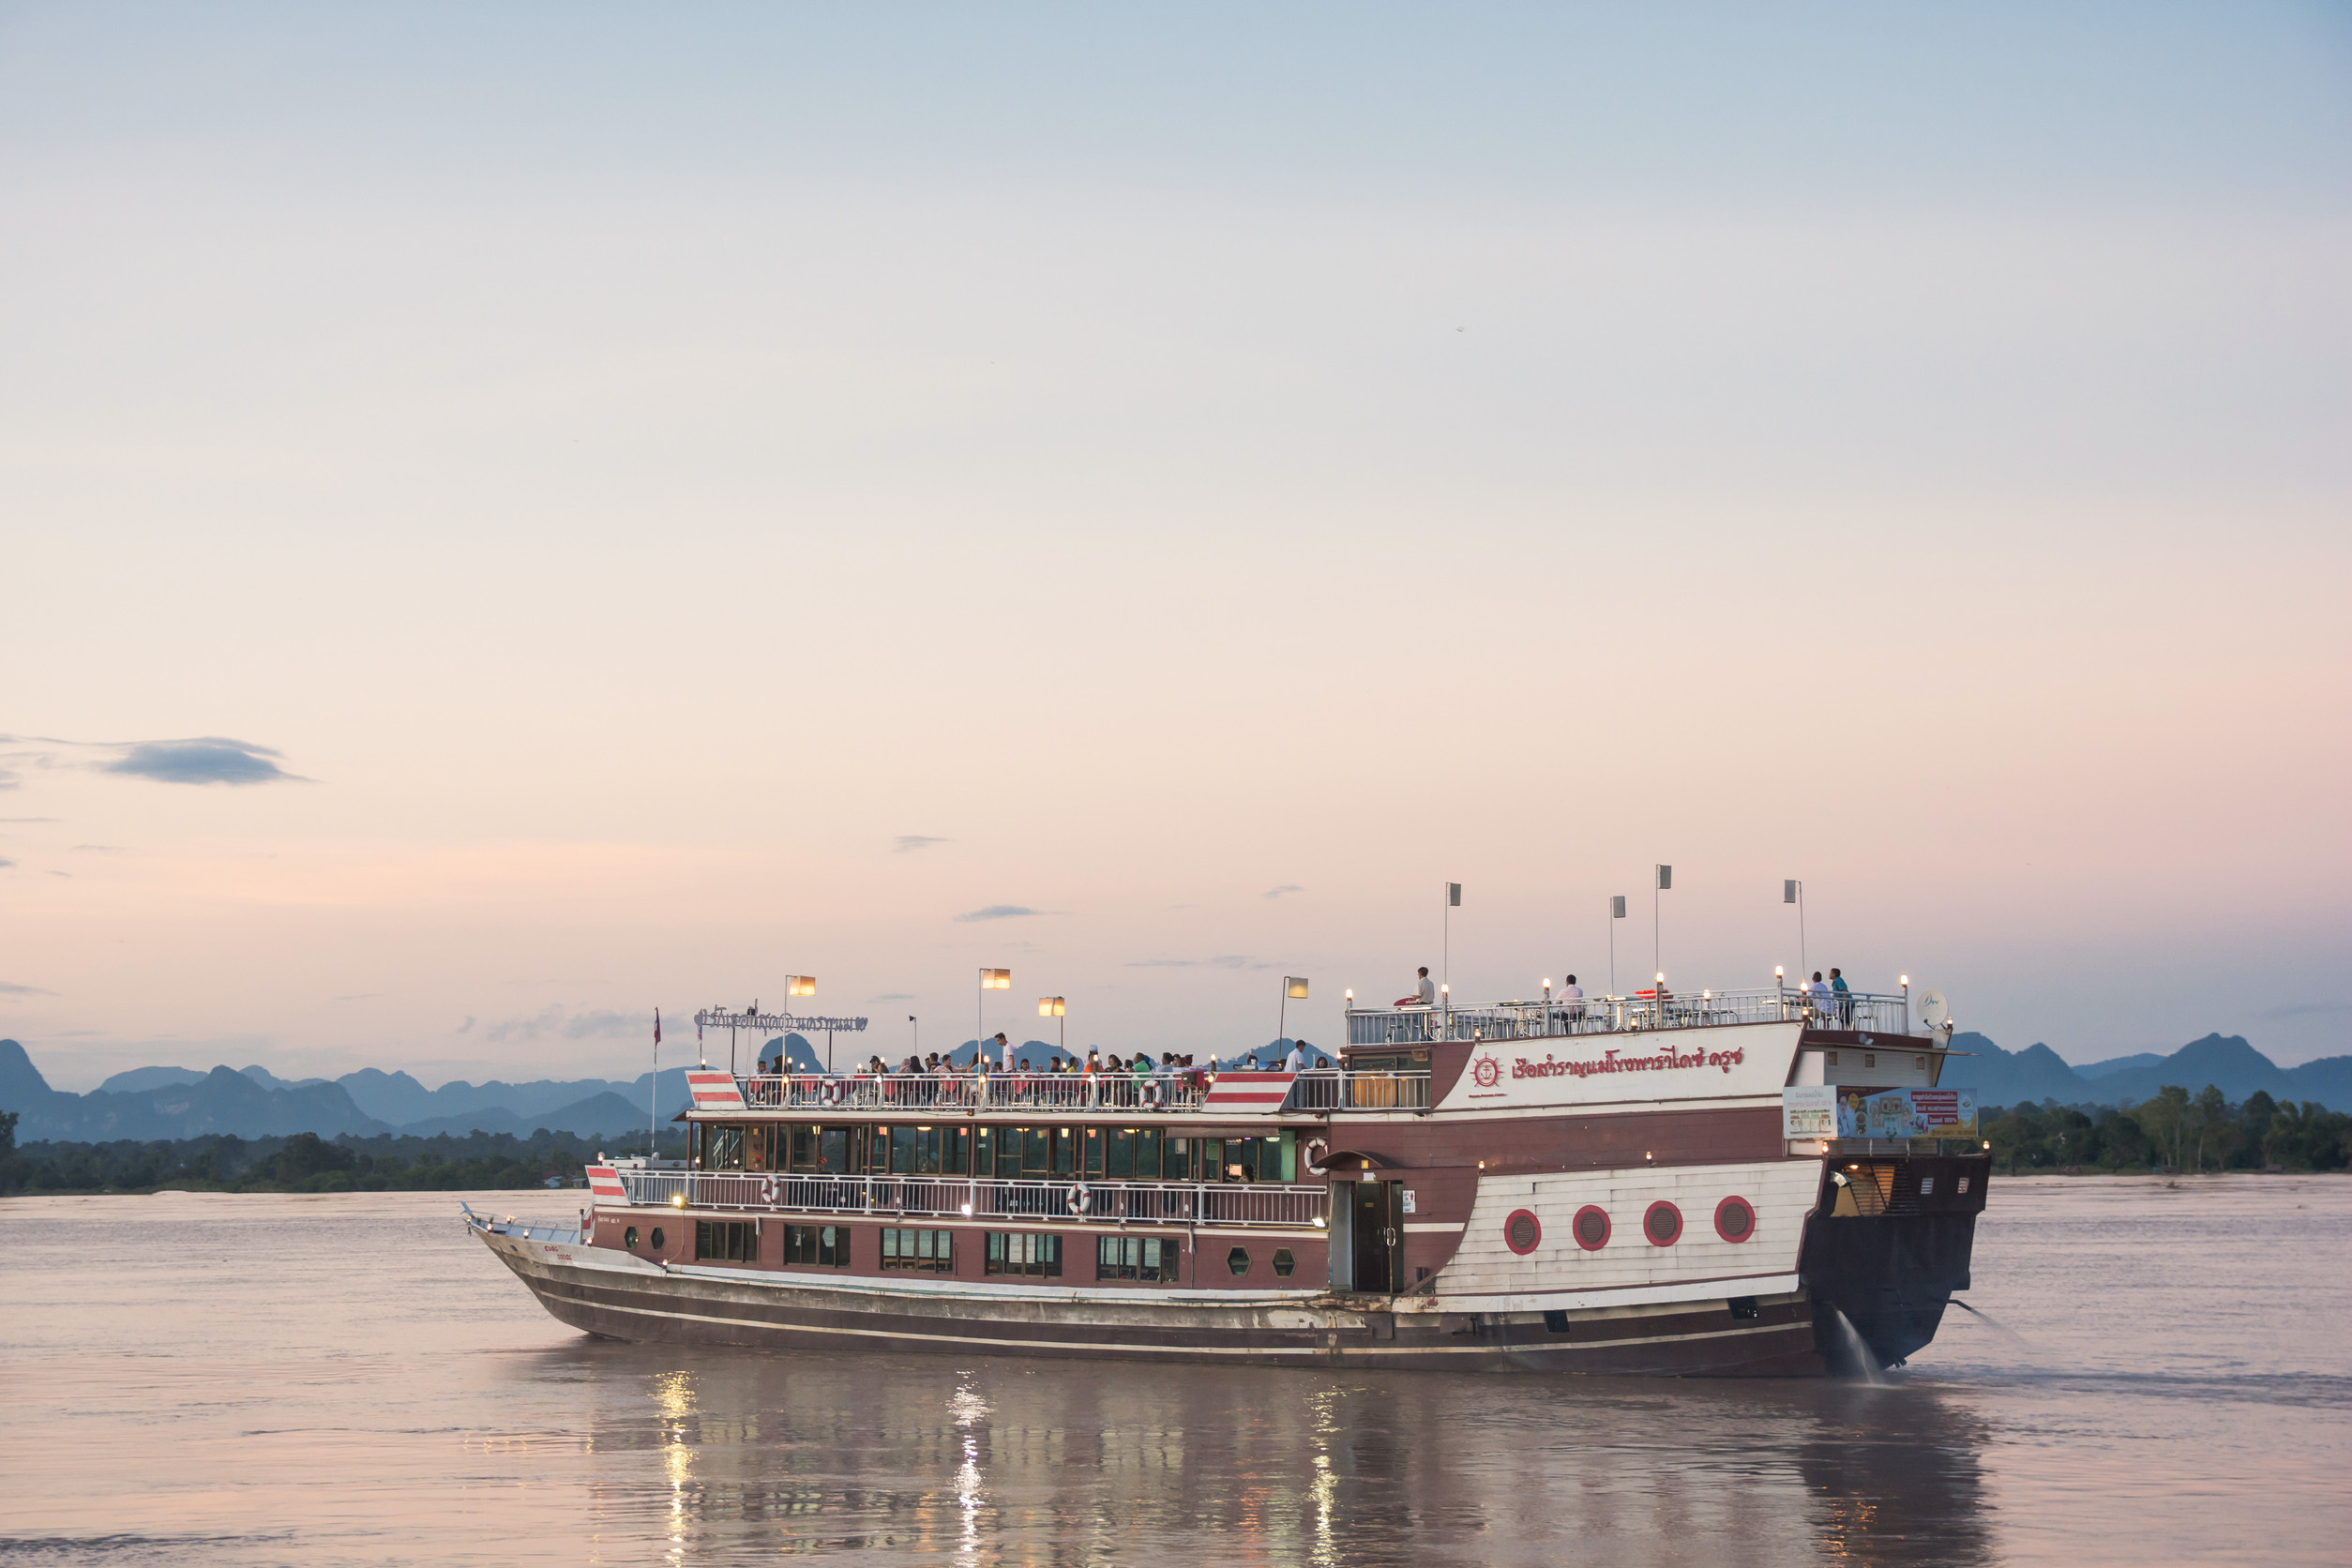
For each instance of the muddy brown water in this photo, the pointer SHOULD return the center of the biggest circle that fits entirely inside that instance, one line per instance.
(2166, 1376)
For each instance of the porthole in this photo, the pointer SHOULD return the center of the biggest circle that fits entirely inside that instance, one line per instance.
(1522, 1233)
(628, 1238)
(1283, 1262)
(1662, 1222)
(1591, 1227)
(656, 1238)
(1237, 1260)
(1735, 1219)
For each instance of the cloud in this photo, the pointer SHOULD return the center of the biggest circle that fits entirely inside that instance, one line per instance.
(893, 996)
(29, 819)
(1285, 887)
(360, 996)
(560, 1023)
(6, 865)
(204, 760)
(9, 778)
(1000, 911)
(463, 1027)
(2306, 1009)
(97, 849)
(1224, 961)
(916, 841)
(9, 988)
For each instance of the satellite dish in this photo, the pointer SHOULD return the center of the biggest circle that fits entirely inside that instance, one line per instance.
(1932, 1009)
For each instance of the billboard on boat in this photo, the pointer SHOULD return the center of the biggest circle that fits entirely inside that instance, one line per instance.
(1907, 1113)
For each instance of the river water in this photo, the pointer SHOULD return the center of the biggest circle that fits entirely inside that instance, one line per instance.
(261, 1379)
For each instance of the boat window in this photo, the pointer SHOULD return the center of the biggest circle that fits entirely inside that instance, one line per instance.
(917, 1251)
(758, 1148)
(800, 1147)
(816, 1247)
(722, 1149)
(1147, 1154)
(727, 1239)
(833, 1150)
(1146, 1258)
(1119, 1154)
(1090, 1154)
(1237, 1260)
(1016, 1252)
(657, 1243)
(1283, 1262)
(628, 1238)
(1210, 1167)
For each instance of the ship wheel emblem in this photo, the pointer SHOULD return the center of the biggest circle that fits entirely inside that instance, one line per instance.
(1485, 1072)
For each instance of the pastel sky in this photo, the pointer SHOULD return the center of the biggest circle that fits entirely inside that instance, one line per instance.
(631, 504)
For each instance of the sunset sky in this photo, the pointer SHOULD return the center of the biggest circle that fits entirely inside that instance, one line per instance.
(632, 505)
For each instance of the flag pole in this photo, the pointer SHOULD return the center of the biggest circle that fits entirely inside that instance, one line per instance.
(652, 1098)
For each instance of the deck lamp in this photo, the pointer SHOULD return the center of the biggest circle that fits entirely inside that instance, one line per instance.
(990, 980)
(800, 985)
(1052, 1007)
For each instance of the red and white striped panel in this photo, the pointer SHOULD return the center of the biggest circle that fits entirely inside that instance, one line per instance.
(1261, 1091)
(714, 1090)
(605, 1182)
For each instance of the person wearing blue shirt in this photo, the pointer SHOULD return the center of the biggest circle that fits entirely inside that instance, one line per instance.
(1844, 997)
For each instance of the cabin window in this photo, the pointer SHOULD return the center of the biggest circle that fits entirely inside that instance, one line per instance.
(758, 1148)
(1119, 1154)
(1177, 1163)
(1209, 1165)
(833, 1150)
(1237, 1261)
(628, 1238)
(917, 1251)
(1919, 1064)
(1283, 1262)
(727, 1240)
(1146, 1258)
(1008, 1152)
(1871, 1061)
(722, 1148)
(816, 1246)
(657, 1238)
(1830, 1057)
(1147, 1154)
(1016, 1252)
(1090, 1154)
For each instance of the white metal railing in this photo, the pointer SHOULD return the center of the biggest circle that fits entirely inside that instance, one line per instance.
(1607, 1015)
(1076, 1094)
(959, 1197)
(973, 1092)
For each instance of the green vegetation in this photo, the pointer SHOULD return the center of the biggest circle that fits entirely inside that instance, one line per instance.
(2175, 1131)
(306, 1163)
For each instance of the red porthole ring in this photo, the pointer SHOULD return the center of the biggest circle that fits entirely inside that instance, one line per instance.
(1662, 1223)
(1735, 1219)
(1591, 1227)
(1522, 1233)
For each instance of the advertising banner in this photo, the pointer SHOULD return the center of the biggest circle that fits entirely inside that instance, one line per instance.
(1809, 1110)
(1907, 1113)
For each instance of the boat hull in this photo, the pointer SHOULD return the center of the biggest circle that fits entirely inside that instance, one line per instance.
(1767, 1336)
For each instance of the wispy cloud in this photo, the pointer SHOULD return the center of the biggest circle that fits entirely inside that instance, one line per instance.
(561, 1023)
(2306, 1009)
(10, 988)
(465, 1025)
(1000, 911)
(1285, 887)
(893, 996)
(1223, 960)
(97, 849)
(204, 760)
(30, 819)
(360, 996)
(916, 841)
(7, 865)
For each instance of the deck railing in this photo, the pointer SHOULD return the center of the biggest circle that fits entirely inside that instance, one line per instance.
(1074, 1094)
(967, 1197)
(1608, 1015)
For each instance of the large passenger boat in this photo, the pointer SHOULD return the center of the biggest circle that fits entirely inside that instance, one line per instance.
(1730, 1183)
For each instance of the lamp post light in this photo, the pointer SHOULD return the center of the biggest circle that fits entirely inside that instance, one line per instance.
(1657, 948)
(1053, 1007)
(990, 980)
(800, 985)
(1792, 891)
(1293, 989)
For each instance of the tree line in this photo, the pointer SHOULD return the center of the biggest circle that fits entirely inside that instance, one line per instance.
(306, 1162)
(2174, 1131)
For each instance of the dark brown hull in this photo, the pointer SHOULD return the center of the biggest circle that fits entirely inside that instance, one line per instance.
(1686, 1339)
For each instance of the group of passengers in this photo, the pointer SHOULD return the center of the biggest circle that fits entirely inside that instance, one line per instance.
(1834, 1000)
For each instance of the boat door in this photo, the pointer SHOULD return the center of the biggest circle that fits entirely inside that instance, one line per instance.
(1376, 1215)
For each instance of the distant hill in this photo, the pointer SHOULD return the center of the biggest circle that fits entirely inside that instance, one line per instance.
(2117, 1064)
(2225, 1061)
(149, 1077)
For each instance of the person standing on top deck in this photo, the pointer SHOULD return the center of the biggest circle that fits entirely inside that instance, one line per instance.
(1296, 1060)
(1841, 995)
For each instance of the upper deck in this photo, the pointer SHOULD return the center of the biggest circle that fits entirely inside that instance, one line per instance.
(1551, 1017)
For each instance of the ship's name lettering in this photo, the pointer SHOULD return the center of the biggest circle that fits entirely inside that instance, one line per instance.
(1662, 1061)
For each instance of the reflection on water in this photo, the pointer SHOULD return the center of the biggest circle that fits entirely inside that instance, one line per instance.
(258, 1379)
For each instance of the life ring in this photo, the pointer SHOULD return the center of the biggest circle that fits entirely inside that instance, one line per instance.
(831, 1093)
(1151, 1094)
(1081, 1198)
(767, 1190)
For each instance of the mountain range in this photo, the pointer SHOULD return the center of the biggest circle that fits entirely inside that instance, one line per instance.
(166, 1101)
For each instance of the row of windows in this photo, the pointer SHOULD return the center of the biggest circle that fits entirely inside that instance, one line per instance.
(1149, 1259)
(1106, 1153)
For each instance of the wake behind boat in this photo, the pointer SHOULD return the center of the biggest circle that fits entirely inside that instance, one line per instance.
(1655, 1184)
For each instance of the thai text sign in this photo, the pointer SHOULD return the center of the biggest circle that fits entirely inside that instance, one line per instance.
(1809, 1110)
(1907, 1113)
(1618, 1067)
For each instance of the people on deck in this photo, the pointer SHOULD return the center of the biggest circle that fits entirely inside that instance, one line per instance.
(1424, 993)
(1817, 996)
(1572, 998)
(1841, 996)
